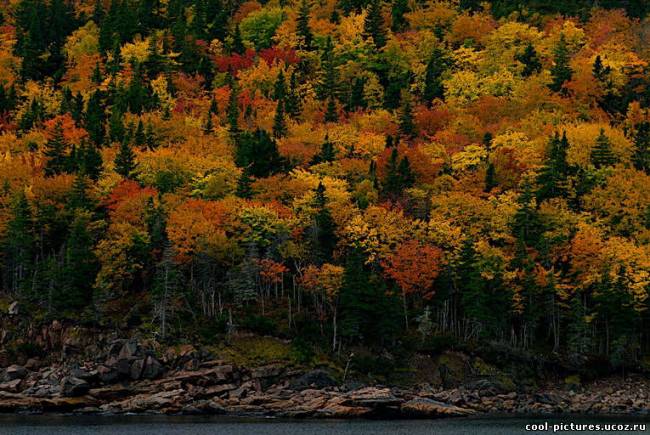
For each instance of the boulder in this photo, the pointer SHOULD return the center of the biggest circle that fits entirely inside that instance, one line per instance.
(13, 309)
(11, 386)
(314, 379)
(427, 408)
(129, 350)
(372, 397)
(152, 368)
(72, 387)
(15, 372)
(107, 375)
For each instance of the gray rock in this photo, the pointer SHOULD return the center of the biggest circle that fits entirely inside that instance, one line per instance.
(71, 386)
(152, 368)
(15, 372)
(136, 369)
(13, 309)
(314, 379)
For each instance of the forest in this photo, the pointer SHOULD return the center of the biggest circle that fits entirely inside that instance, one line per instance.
(403, 175)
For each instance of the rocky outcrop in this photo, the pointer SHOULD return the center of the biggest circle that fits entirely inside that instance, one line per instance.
(126, 376)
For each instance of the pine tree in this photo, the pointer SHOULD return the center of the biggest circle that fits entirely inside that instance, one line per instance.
(327, 153)
(357, 97)
(95, 119)
(561, 71)
(167, 281)
(433, 87)
(79, 266)
(125, 164)
(139, 138)
(151, 139)
(90, 161)
(258, 153)
(279, 123)
(244, 185)
(399, 8)
(78, 196)
(490, 178)
(55, 152)
(324, 227)
(330, 113)
(602, 154)
(328, 85)
(552, 179)
(293, 103)
(530, 60)
(97, 77)
(373, 26)
(18, 246)
(302, 26)
(237, 42)
(641, 154)
(526, 225)
(280, 88)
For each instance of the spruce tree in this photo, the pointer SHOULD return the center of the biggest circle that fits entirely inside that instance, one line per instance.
(293, 103)
(641, 154)
(552, 179)
(436, 66)
(280, 88)
(328, 85)
(324, 227)
(357, 98)
(602, 154)
(19, 246)
(302, 26)
(257, 152)
(125, 164)
(399, 8)
(90, 161)
(95, 119)
(237, 42)
(526, 225)
(490, 178)
(530, 60)
(244, 185)
(80, 266)
(561, 71)
(233, 106)
(327, 153)
(139, 138)
(279, 123)
(55, 152)
(373, 26)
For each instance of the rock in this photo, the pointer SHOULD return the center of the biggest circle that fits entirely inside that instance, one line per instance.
(314, 379)
(72, 387)
(33, 364)
(15, 372)
(11, 386)
(152, 368)
(136, 369)
(372, 397)
(83, 374)
(107, 375)
(128, 350)
(427, 408)
(13, 309)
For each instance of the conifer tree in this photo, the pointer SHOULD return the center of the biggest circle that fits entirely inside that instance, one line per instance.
(328, 86)
(139, 138)
(55, 152)
(530, 60)
(90, 162)
(233, 106)
(257, 152)
(97, 75)
(326, 154)
(602, 154)
(279, 123)
(324, 227)
(237, 42)
(490, 178)
(436, 66)
(561, 71)
(373, 26)
(19, 245)
(552, 179)
(125, 163)
(95, 119)
(293, 103)
(280, 88)
(244, 185)
(330, 113)
(302, 26)
(406, 125)
(357, 98)
(399, 8)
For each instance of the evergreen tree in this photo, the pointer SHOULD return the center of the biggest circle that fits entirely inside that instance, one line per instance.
(357, 97)
(237, 42)
(18, 246)
(433, 87)
(331, 114)
(552, 179)
(602, 154)
(140, 138)
(95, 118)
(302, 26)
(530, 60)
(293, 103)
(90, 161)
(55, 152)
(125, 164)
(526, 225)
(328, 86)
(327, 153)
(641, 154)
(280, 88)
(97, 78)
(279, 123)
(80, 266)
(490, 178)
(258, 153)
(373, 26)
(150, 137)
(244, 185)
(561, 71)
(399, 8)
(324, 227)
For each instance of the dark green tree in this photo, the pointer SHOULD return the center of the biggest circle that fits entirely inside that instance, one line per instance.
(530, 60)
(95, 118)
(331, 114)
(398, 9)
(602, 154)
(373, 26)
(233, 106)
(18, 246)
(293, 102)
(326, 154)
(436, 66)
(125, 163)
(490, 178)
(279, 122)
(56, 152)
(302, 26)
(324, 227)
(561, 71)
(552, 180)
(406, 124)
(258, 153)
(244, 185)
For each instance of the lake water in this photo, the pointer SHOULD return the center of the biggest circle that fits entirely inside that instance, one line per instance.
(185, 425)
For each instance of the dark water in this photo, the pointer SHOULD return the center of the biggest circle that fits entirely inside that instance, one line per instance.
(23, 425)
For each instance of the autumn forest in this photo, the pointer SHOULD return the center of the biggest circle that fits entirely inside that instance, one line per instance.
(408, 175)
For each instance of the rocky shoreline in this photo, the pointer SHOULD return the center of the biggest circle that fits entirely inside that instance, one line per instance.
(128, 378)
